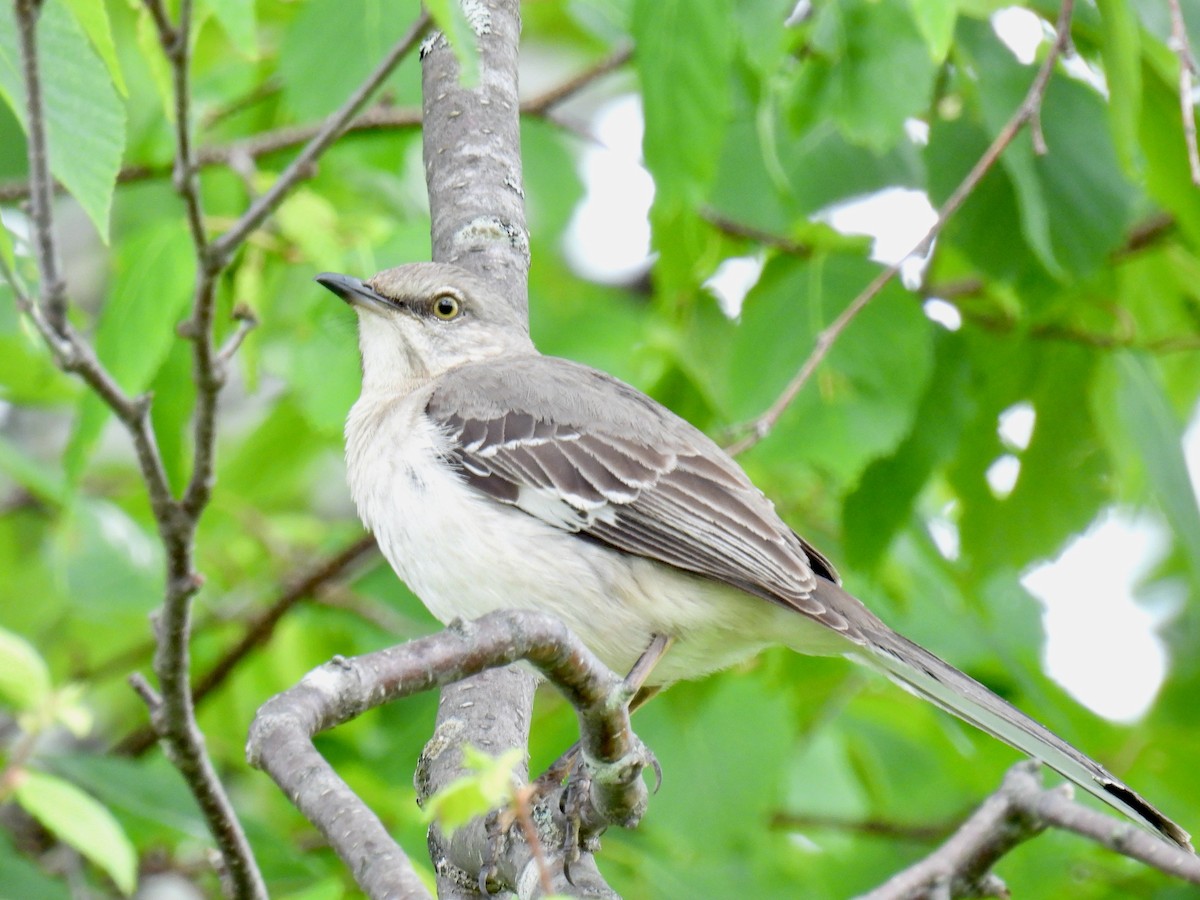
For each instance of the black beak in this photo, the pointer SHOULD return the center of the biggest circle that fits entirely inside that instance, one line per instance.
(351, 290)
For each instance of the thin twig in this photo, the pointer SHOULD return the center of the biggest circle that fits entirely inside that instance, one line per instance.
(224, 247)
(545, 102)
(737, 229)
(258, 632)
(41, 184)
(383, 117)
(1188, 71)
(760, 427)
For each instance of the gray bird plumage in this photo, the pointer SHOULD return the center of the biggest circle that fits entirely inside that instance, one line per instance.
(583, 497)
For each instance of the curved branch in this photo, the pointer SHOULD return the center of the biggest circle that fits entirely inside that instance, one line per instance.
(280, 737)
(1019, 810)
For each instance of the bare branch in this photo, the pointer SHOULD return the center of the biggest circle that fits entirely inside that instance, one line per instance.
(749, 232)
(41, 185)
(760, 427)
(382, 117)
(544, 103)
(259, 631)
(224, 247)
(280, 737)
(1188, 72)
(1020, 809)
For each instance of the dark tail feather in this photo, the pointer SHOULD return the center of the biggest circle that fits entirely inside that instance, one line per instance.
(924, 674)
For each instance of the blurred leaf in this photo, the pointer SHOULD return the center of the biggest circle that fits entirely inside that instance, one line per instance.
(149, 789)
(935, 20)
(137, 325)
(106, 561)
(1153, 426)
(1120, 49)
(870, 71)
(25, 881)
(883, 501)
(1074, 202)
(355, 33)
(32, 474)
(452, 22)
(85, 119)
(238, 21)
(77, 819)
(684, 51)
(24, 678)
(684, 54)
(152, 56)
(490, 786)
(93, 19)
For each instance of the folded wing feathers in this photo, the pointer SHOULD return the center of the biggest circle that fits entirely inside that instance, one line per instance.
(678, 506)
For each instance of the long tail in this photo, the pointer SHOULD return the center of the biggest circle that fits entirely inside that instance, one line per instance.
(918, 670)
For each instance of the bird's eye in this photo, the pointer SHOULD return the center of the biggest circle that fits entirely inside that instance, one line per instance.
(446, 307)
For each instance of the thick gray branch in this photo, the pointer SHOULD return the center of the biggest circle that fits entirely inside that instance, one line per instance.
(472, 144)
(280, 740)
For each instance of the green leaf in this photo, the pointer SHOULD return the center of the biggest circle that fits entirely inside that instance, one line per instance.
(150, 48)
(85, 119)
(137, 324)
(238, 21)
(33, 474)
(451, 20)
(1075, 203)
(684, 54)
(93, 19)
(489, 786)
(883, 501)
(1156, 432)
(24, 677)
(935, 20)
(326, 30)
(870, 71)
(24, 880)
(1120, 48)
(77, 819)
(108, 563)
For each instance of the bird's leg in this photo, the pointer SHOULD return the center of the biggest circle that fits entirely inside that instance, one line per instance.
(569, 767)
(638, 695)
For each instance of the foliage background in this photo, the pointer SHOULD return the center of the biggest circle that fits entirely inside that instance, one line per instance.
(1075, 274)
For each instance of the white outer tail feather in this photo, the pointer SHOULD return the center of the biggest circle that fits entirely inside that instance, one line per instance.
(932, 679)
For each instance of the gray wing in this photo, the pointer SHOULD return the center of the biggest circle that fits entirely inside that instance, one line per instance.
(591, 455)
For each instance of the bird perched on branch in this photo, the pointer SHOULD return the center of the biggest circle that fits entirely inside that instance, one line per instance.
(495, 477)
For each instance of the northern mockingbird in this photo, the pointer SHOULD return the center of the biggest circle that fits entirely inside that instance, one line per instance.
(495, 478)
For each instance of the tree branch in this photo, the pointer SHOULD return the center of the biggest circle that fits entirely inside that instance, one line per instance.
(258, 632)
(280, 738)
(41, 184)
(382, 117)
(1019, 810)
(1025, 114)
(224, 247)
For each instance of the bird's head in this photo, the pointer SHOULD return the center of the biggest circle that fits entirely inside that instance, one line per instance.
(419, 320)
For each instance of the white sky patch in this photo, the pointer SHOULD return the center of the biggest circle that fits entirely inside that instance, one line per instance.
(944, 533)
(1101, 646)
(1002, 475)
(897, 218)
(608, 238)
(1015, 425)
(733, 280)
(944, 313)
(1021, 31)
